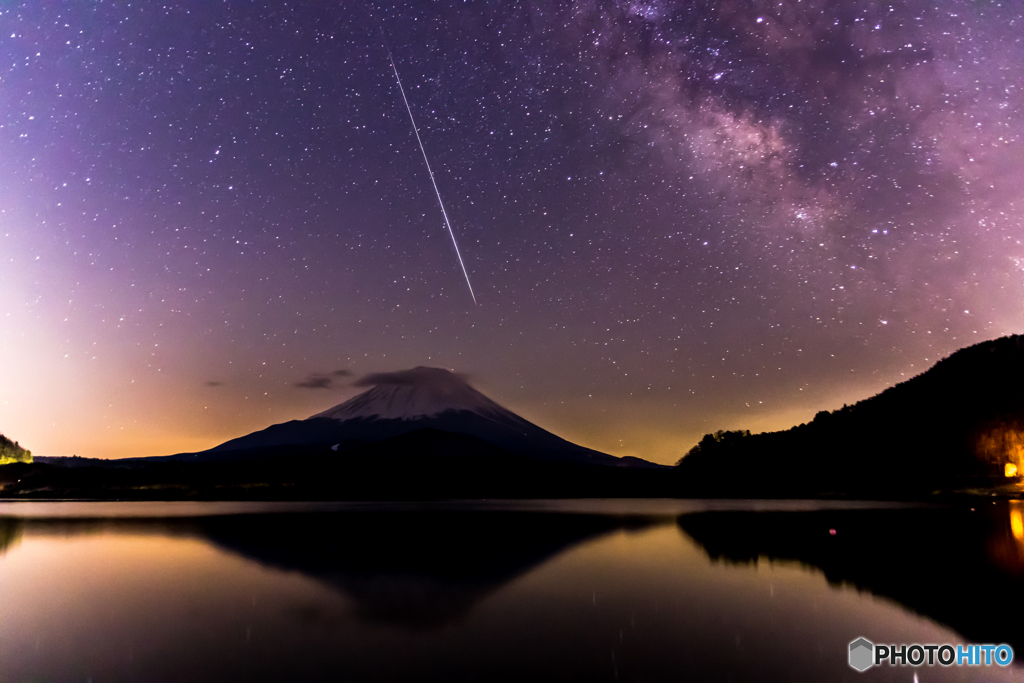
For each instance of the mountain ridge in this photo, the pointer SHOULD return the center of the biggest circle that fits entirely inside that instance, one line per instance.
(409, 401)
(962, 420)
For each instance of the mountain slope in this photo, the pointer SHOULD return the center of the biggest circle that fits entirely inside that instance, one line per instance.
(412, 401)
(960, 422)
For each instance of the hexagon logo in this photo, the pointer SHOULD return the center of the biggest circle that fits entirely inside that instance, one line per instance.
(862, 654)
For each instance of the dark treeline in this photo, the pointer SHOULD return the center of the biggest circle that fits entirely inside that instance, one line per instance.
(956, 426)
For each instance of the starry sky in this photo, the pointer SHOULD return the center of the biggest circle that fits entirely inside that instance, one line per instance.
(676, 217)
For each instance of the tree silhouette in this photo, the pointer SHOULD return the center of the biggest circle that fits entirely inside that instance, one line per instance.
(11, 451)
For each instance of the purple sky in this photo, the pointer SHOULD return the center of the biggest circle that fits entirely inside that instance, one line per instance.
(677, 217)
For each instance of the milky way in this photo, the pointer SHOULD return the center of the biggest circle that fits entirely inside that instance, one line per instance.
(678, 217)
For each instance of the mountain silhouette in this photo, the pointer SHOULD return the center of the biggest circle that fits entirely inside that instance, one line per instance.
(419, 434)
(425, 433)
(420, 400)
(956, 426)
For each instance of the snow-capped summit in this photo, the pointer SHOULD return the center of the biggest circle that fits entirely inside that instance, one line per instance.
(421, 400)
(409, 394)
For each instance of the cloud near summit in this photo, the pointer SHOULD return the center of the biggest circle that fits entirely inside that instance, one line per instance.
(318, 380)
(420, 376)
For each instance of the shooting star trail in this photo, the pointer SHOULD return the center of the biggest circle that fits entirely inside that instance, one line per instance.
(434, 182)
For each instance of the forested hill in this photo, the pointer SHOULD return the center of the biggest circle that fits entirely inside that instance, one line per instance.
(962, 421)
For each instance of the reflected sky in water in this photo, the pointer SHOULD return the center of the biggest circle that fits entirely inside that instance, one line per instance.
(545, 592)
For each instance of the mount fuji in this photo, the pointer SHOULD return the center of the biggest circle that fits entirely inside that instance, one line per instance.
(406, 408)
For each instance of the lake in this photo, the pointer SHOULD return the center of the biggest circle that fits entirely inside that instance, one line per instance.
(591, 590)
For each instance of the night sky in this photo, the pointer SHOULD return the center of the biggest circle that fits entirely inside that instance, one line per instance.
(676, 217)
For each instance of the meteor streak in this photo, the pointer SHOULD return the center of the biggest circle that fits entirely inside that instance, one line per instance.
(434, 182)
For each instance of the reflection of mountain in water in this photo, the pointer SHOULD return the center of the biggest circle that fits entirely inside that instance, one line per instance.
(414, 569)
(960, 567)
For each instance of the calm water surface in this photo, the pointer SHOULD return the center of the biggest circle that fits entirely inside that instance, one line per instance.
(550, 590)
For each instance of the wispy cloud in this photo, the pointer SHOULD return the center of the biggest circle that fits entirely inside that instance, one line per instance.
(322, 380)
(414, 377)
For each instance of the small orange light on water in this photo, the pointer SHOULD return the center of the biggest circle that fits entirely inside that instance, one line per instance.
(1017, 524)
(1011, 469)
